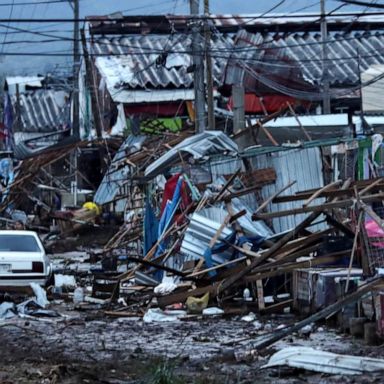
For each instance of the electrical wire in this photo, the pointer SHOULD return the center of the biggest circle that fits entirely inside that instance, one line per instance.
(362, 3)
(33, 3)
(5, 36)
(302, 17)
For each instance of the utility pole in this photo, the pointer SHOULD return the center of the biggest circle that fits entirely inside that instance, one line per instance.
(208, 64)
(198, 74)
(324, 59)
(76, 66)
(92, 87)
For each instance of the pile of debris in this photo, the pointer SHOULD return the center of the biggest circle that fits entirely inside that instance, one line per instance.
(199, 237)
(210, 230)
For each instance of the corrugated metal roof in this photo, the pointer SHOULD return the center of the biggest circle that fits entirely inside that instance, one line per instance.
(115, 177)
(137, 69)
(140, 66)
(43, 110)
(344, 53)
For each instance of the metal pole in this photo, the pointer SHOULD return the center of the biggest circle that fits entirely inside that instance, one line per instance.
(324, 54)
(198, 63)
(17, 124)
(208, 63)
(76, 65)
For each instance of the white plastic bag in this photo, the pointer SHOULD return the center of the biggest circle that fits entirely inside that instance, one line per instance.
(157, 315)
(65, 280)
(78, 295)
(166, 286)
(212, 311)
(41, 295)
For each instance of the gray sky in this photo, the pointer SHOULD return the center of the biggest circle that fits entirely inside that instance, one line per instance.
(12, 40)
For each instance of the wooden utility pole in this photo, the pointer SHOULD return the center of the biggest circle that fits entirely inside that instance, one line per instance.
(90, 79)
(208, 65)
(324, 60)
(198, 74)
(76, 66)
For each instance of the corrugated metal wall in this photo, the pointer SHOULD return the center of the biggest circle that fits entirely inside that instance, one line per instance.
(302, 165)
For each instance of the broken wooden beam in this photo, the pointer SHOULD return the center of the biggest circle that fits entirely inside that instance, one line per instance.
(316, 194)
(317, 208)
(231, 280)
(277, 335)
(269, 200)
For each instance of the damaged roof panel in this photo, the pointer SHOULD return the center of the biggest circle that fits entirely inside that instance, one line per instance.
(43, 110)
(161, 61)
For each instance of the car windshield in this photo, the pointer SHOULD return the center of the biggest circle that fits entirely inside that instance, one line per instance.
(18, 243)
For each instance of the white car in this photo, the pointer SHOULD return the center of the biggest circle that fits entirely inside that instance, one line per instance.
(23, 259)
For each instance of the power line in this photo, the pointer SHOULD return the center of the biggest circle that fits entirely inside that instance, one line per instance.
(33, 3)
(189, 17)
(5, 36)
(362, 3)
(148, 50)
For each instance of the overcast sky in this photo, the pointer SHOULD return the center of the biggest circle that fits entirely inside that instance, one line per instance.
(18, 40)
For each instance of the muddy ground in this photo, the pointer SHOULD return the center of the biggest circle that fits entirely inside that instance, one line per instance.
(83, 345)
(87, 347)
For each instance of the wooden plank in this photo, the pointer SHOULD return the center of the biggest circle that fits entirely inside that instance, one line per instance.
(264, 342)
(260, 122)
(316, 208)
(231, 280)
(371, 186)
(320, 191)
(269, 135)
(260, 177)
(358, 227)
(331, 193)
(227, 185)
(306, 134)
(260, 295)
(214, 289)
(204, 271)
(289, 267)
(156, 266)
(340, 226)
(278, 307)
(269, 200)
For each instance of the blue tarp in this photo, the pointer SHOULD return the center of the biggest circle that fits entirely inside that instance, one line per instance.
(151, 225)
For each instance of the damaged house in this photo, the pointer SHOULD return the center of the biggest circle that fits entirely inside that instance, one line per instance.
(41, 112)
(203, 246)
(144, 71)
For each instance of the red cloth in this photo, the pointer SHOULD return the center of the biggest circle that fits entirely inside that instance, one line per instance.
(169, 190)
(2, 131)
(272, 103)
